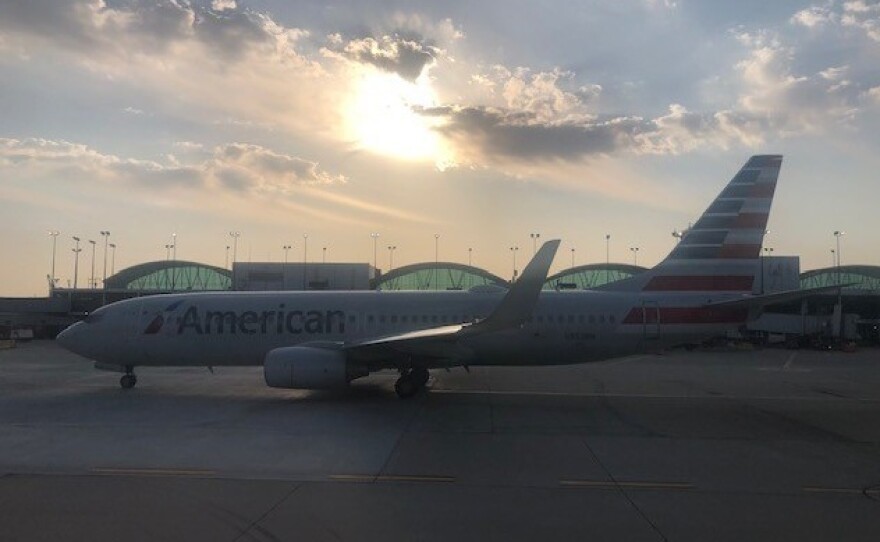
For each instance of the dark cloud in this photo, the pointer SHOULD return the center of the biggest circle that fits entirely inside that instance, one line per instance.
(494, 133)
(405, 56)
(143, 25)
(501, 133)
(69, 22)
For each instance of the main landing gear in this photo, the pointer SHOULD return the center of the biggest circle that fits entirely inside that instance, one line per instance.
(411, 382)
(129, 379)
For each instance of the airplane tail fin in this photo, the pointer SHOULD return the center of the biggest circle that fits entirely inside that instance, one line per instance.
(721, 251)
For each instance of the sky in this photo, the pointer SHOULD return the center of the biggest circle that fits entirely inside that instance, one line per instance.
(478, 122)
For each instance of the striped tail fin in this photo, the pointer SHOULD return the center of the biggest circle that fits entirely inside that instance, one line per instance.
(721, 251)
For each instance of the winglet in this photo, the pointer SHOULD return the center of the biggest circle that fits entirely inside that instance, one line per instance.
(519, 303)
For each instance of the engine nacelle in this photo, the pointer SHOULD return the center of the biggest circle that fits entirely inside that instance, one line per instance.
(305, 367)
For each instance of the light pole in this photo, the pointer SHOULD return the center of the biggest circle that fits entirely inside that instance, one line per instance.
(106, 236)
(436, 258)
(286, 249)
(235, 235)
(76, 252)
(572, 257)
(92, 282)
(174, 246)
(391, 249)
(534, 237)
(607, 249)
(167, 252)
(838, 234)
(375, 237)
(513, 251)
(635, 251)
(305, 259)
(324, 255)
(470, 256)
(767, 252)
(54, 234)
(833, 258)
(112, 258)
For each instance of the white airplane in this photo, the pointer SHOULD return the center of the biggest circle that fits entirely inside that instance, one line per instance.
(319, 340)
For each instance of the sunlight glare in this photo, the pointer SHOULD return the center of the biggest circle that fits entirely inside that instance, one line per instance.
(381, 118)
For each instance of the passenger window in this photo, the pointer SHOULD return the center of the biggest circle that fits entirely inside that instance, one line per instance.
(381, 318)
(570, 319)
(393, 318)
(443, 318)
(601, 318)
(592, 319)
(351, 319)
(424, 319)
(403, 318)
(580, 318)
(434, 318)
(370, 318)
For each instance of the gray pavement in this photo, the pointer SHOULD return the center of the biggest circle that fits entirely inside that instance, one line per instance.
(720, 445)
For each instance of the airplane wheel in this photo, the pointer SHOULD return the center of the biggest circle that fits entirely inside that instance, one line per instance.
(128, 381)
(406, 386)
(420, 376)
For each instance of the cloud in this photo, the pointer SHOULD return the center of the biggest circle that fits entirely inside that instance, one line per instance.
(238, 166)
(855, 14)
(795, 102)
(408, 58)
(191, 61)
(813, 17)
(243, 166)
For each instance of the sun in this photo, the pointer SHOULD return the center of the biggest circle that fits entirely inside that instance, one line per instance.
(381, 118)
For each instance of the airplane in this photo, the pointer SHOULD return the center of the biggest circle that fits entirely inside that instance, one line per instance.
(324, 340)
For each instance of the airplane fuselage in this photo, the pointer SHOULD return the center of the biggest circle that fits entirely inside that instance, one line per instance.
(232, 328)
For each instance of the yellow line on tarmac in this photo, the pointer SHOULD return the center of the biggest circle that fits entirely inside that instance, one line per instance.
(607, 484)
(154, 472)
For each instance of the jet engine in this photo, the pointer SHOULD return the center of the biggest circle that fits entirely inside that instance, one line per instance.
(306, 367)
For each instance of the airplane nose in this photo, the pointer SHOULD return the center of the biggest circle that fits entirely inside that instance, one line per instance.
(70, 338)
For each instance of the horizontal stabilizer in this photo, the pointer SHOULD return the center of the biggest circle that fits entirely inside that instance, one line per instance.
(765, 300)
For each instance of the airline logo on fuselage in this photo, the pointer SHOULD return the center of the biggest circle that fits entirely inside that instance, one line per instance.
(277, 322)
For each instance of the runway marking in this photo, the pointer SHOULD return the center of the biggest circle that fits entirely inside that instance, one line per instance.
(787, 364)
(391, 478)
(608, 484)
(155, 472)
(651, 396)
(841, 490)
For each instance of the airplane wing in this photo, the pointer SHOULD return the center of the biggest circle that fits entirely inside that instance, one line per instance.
(444, 342)
(765, 300)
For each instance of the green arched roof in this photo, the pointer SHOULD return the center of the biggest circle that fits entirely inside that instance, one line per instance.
(586, 277)
(170, 276)
(437, 276)
(861, 277)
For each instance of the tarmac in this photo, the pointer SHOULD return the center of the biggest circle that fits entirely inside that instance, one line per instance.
(706, 445)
